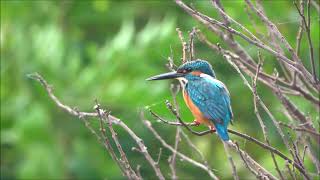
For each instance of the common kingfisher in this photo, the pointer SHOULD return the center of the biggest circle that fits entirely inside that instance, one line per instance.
(207, 98)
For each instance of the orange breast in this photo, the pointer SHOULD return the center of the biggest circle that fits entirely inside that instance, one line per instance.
(195, 110)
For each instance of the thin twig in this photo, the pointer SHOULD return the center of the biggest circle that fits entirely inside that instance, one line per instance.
(191, 44)
(172, 163)
(246, 163)
(159, 155)
(184, 46)
(186, 158)
(299, 129)
(297, 67)
(295, 57)
(306, 23)
(125, 166)
(263, 126)
(250, 70)
(290, 171)
(193, 146)
(300, 30)
(103, 116)
(231, 162)
(113, 119)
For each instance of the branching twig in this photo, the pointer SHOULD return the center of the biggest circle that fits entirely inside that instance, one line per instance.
(113, 119)
(104, 117)
(245, 136)
(306, 23)
(299, 129)
(203, 18)
(186, 158)
(263, 126)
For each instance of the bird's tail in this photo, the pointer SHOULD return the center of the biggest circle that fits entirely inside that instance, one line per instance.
(222, 132)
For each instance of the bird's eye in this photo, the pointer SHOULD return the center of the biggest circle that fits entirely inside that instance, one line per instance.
(184, 71)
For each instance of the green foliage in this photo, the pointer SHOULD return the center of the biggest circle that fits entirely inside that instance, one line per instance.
(106, 50)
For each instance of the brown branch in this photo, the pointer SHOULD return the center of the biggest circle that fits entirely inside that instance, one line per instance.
(239, 134)
(290, 171)
(300, 129)
(186, 158)
(296, 67)
(306, 23)
(109, 147)
(228, 39)
(184, 46)
(190, 143)
(113, 119)
(263, 77)
(295, 57)
(231, 162)
(288, 74)
(295, 112)
(172, 163)
(103, 116)
(229, 19)
(104, 142)
(263, 126)
(191, 44)
(273, 85)
(246, 163)
(275, 122)
(300, 30)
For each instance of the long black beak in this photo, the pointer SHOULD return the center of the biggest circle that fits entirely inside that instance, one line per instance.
(169, 75)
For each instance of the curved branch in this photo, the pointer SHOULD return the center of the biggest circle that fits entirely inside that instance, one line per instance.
(111, 119)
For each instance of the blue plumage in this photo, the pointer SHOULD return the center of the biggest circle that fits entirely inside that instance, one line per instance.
(213, 100)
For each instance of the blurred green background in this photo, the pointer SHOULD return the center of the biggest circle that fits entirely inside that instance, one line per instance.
(106, 50)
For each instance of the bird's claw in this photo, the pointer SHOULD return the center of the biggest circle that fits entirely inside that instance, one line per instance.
(196, 123)
(212, 129)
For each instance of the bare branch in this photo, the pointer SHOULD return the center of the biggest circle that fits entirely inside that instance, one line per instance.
(111, 118)
(191, 43)
(299, 129)
(166, 145)
(296, 67)
(184, 46)
(123, 161)
(232, 164)
(306, 23)
(172, 163)
(263, 126)
(295, 57)
(242, 135)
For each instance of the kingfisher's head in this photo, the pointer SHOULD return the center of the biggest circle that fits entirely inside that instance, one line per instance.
(188, 69)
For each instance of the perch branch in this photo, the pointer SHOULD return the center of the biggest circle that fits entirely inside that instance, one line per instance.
(239, 134)
(186, 158)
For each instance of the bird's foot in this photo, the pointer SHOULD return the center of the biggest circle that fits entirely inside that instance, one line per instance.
(196, 123)
(212, 129)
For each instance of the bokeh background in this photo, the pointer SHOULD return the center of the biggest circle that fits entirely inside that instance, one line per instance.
(106, 50)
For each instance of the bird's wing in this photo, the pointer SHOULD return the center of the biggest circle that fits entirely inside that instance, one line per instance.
(212, 98)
